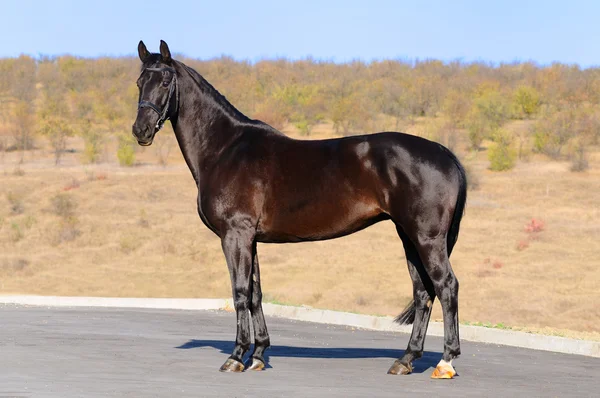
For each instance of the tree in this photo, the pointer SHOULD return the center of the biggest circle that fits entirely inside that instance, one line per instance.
(54, 120)
(93, 142)
(552, 132)
(456, 107)
(349, 115)
(57, 130)
(23, 123)
(301, 104)
(487, 115)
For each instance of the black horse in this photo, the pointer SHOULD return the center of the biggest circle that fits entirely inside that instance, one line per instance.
(257, 185)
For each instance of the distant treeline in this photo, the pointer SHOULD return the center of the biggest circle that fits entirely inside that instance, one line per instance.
(62, 96)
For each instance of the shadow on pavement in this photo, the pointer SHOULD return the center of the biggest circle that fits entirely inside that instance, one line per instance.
(429, 359)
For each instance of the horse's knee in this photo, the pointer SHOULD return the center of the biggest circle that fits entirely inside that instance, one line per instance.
(241, 300)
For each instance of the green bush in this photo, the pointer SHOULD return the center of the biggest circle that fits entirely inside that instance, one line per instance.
(93, 143)
(494, 108)
(126, 150)
(477, 129)
(526, 101)
(502, 155)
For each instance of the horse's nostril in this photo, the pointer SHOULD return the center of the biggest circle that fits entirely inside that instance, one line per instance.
(140, 131)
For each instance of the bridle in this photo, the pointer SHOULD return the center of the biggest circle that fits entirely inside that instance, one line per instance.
(172, 87)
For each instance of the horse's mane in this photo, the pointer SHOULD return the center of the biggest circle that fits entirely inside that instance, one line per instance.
(214, 94)
(206, 88)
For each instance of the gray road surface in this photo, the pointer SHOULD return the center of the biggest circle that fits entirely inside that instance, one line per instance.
(90, 352)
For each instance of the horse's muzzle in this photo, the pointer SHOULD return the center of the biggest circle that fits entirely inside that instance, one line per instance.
(143, 136)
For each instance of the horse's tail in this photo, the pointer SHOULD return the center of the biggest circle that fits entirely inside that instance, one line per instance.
(459, 209)
(407, 316)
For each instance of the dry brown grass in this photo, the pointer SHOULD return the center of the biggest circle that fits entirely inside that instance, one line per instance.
(139, 236)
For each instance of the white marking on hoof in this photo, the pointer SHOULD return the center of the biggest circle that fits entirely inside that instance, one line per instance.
(443, 370)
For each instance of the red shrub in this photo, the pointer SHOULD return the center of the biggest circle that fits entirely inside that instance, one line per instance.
(534, 226)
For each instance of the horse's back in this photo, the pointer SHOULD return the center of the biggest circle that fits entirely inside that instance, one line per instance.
(322, 189)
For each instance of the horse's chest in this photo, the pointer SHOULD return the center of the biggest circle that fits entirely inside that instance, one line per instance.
(208, 214)
(215, 211)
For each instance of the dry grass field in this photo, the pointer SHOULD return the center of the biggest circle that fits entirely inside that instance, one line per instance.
(528, 255)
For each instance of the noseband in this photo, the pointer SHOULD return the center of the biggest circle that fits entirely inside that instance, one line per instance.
(172, 87)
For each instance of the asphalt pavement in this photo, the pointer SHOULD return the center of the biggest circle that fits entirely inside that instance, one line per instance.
(108, 352)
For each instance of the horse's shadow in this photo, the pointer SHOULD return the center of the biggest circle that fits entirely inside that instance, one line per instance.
(429, 359)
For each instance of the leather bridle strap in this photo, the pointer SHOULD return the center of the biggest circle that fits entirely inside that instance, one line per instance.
(172, 87)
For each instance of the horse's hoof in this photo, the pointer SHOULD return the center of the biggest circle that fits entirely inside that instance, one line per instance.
(399, 368)
(443, 370)
(231, 365)
(257, 364)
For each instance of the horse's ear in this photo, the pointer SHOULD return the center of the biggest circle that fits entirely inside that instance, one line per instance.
(143, 51)
(164, 51)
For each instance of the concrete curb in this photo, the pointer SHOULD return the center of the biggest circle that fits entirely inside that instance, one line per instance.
(117, 302)
(469, 333)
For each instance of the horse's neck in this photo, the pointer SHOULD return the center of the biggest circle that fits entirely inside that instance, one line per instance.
(202, 127)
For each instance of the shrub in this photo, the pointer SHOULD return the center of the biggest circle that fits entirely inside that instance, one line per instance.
(14, 265)
(126, 150)
(551, 133)
(579, 158)
(526, 101)
(63, 205)
(16, 203)
(93, 143)
(534, 226)
(502, 155)
(492, 105)
(477, 129)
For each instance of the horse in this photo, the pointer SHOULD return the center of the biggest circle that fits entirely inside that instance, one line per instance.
(256, 184)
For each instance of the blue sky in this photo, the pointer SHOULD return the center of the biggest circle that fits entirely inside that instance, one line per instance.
(492, 31)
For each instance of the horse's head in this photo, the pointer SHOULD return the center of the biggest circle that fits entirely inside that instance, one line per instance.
(158, 93)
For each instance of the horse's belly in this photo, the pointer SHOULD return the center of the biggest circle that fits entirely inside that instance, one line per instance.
(327, 220)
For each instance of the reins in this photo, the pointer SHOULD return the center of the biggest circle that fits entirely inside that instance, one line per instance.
(172, 87)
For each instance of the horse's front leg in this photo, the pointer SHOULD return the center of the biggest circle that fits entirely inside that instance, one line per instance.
(261, 335)
(237, 245)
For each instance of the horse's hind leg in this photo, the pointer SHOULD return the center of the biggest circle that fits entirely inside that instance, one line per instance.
(261, 335)
(423, 294)
(433, 252)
